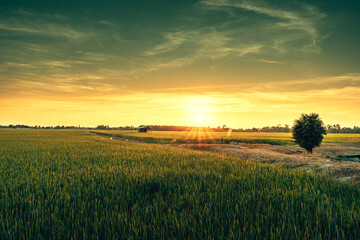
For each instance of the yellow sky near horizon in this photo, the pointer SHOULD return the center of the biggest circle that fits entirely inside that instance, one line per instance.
(250, 108)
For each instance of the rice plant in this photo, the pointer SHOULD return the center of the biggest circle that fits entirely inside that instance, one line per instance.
(63, 184)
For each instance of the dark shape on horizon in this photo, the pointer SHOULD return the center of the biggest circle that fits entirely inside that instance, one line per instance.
(143, 128)
(308, 131)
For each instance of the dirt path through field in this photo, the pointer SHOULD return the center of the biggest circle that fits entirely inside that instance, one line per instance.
(115, 138)
(322, 160)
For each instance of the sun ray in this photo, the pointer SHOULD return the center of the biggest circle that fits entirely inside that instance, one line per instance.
(208, 134)
(191, 134)
(228, 134)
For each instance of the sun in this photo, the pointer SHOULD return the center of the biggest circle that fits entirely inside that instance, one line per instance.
(199, 119)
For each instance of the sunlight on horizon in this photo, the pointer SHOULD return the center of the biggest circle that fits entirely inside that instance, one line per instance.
(199, 119)
(200, 133)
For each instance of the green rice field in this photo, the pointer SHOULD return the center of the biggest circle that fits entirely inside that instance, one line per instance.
(227, 137)
(70, 184)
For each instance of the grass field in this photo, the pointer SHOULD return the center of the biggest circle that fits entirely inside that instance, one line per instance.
(211, 137)
(71, 184)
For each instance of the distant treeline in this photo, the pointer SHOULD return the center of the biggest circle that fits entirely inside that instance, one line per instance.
(223, 128)
(43, 127)
(336, 128)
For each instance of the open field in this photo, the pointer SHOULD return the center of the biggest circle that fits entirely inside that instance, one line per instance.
(72, 184)
(286, 154)
(212, 137)
(323, 160)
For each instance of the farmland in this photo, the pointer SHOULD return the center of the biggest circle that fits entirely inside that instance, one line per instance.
(73, 184)
(197, 136)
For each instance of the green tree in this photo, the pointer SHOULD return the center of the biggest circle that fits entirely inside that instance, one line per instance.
(308, 131)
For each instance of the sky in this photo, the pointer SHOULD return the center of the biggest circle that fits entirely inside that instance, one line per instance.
(238, 63)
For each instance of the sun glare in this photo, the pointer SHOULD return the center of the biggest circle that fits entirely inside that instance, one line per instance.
(199, 119)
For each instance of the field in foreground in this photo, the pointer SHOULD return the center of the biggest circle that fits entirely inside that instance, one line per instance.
(63, 184)
(197, 136)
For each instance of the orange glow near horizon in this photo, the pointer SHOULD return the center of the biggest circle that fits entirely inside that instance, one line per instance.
(234, 110)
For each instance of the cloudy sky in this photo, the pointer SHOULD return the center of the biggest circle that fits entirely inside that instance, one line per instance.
(234, 62)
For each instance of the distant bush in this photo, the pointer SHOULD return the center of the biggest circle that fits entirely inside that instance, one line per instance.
(308, 131)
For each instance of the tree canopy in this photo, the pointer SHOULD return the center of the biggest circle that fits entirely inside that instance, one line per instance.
(308, 131)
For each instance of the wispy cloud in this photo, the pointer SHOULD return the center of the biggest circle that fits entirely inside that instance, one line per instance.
(329, 83)
(105, 22)
(53, 63)
(270, 61)
(57, 26)
(46, 29)
(319, 83)
(206, 43)
(163, 64)
(304, 20)
(172, 41)
(19, 65)
(254, 35)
